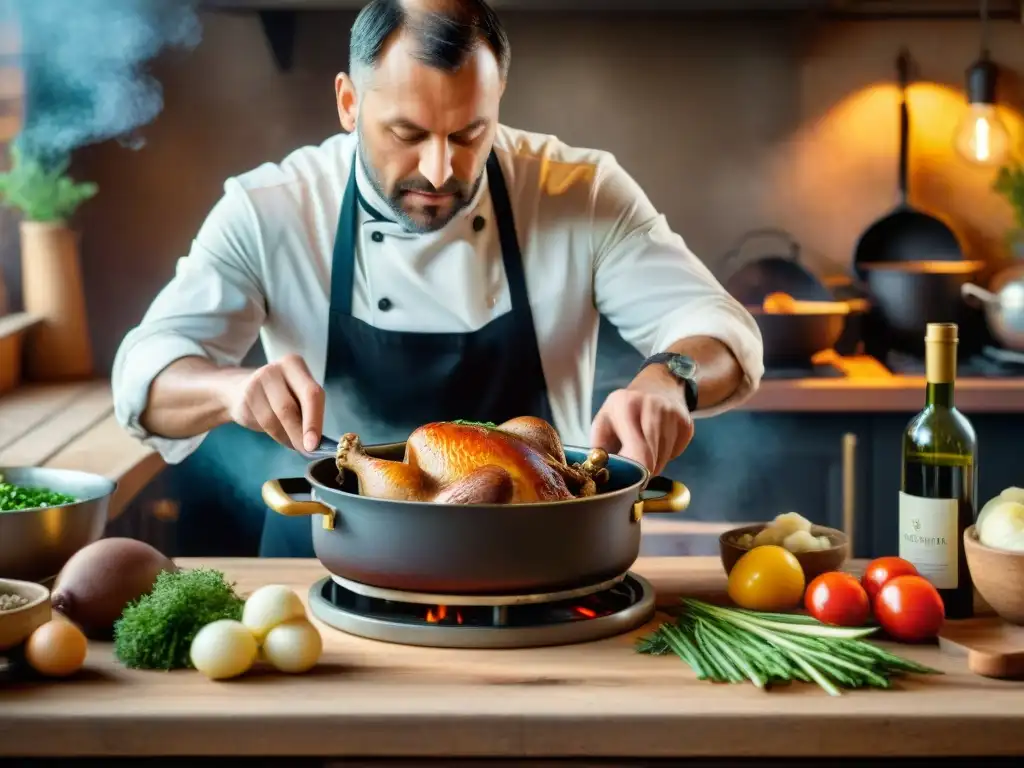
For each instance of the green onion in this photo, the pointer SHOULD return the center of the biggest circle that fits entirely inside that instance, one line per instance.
(15, 497)
(733, 645)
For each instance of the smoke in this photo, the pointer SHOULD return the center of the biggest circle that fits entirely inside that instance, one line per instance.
(84, 68)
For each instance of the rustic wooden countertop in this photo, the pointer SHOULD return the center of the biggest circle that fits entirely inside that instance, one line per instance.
(598, 699)
(869, 387)
(72, 426)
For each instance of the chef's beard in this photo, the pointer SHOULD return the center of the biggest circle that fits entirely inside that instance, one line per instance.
(462, 195)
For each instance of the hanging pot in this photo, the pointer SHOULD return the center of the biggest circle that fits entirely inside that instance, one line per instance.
(906, 234)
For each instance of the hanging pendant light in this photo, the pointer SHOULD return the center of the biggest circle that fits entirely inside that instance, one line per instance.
(981, 137)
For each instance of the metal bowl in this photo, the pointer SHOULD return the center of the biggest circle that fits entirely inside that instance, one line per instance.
(36, 543)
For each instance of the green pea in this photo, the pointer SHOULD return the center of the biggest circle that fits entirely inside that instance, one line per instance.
(16, 497)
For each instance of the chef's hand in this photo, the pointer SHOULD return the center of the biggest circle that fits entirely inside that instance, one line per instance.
(647, 422)
(282, 399)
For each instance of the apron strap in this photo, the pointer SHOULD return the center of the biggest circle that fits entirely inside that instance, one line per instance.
(343, 260)
(511, 256)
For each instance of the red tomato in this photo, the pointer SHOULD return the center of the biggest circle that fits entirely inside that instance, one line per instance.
(837, 598)
(881, 569)
(909, 608)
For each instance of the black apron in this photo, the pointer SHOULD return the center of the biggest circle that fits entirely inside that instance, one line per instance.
(382, 385)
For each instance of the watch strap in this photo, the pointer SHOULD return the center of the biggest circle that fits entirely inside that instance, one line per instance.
(689, 382)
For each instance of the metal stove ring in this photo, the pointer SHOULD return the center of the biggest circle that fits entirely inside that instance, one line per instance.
(476, 637)
(425, 598)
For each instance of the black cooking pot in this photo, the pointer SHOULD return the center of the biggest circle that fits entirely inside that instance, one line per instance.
(752, 280)
(476, 549)
(793, 339)
(790, 339)
(910, 294)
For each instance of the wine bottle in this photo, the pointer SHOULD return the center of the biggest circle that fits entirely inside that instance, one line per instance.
(939, 480)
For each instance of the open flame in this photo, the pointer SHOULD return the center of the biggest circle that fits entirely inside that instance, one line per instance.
(435, 616)
(582, 610)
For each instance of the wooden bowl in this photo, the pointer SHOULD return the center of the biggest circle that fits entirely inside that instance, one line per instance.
(18, 624)
(813, 563)
(998, 576)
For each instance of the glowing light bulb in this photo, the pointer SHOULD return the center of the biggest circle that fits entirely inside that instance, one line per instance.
(982, 137)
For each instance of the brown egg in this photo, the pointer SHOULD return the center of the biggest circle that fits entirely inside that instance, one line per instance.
(56, 648)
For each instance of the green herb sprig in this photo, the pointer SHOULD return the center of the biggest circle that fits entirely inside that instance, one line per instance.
(734, 645)
(156, 631)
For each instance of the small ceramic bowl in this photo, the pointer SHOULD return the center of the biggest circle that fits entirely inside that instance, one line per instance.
(813, 563)
(16, 625)
(998, 575)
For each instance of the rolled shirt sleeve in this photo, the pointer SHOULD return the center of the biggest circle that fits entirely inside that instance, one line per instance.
(656, 291)
(213, 308)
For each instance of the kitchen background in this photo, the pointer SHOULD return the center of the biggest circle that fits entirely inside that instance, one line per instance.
(729, 122)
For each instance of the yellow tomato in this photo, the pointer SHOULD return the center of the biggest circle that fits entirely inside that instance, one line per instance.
(767, 578)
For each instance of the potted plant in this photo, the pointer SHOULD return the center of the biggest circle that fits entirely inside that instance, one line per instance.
(59, 347)
(1009, 184)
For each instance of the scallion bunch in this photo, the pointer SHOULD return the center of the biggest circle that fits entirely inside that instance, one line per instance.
(733, 645)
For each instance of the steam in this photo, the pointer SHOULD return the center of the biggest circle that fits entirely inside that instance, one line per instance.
(84, 68)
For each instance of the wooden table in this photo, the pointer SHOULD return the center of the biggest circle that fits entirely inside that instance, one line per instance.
(72, 426)
(593, 700)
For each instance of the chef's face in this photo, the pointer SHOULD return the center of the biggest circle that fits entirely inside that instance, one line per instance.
(424, 133)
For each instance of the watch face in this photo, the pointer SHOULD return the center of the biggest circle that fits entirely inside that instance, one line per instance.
(682, 366)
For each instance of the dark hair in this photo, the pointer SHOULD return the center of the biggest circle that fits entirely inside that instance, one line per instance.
(444, 37)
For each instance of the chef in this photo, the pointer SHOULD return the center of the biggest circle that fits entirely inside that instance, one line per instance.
(430, 263)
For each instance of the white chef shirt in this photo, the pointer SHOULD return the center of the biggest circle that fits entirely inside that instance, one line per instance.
(591, 241)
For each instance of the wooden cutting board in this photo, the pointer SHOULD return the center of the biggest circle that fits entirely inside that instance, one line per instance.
(993, 647)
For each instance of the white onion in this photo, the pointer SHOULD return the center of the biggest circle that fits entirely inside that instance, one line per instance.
(1013, 493)
(1003, 527)
(294, 646)
(269, 606)
(1008, 494)
(223, 649)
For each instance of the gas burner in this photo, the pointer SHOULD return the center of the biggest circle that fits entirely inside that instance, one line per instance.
(602, 610)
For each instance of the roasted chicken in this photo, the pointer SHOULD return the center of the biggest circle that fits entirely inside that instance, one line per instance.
(456, 462)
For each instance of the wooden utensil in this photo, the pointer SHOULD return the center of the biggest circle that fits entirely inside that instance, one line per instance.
(994, 648)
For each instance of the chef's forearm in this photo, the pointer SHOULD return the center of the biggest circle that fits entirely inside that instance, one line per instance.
(719, 373)
(190, 397)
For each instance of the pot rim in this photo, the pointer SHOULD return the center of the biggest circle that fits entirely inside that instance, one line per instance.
(105, 486)
(641, 484)
(843, 312)
(924, 266)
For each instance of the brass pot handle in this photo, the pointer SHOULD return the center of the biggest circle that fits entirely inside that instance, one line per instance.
(280, 500)
(675, 498)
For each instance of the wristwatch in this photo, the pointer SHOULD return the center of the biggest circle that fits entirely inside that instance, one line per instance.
(684, 368)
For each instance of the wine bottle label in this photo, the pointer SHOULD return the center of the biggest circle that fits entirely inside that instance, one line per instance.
(928, 538)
